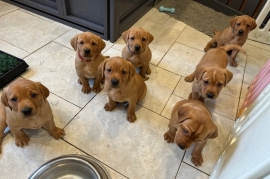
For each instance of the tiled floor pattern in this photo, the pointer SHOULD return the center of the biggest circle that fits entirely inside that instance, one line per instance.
(135, 151)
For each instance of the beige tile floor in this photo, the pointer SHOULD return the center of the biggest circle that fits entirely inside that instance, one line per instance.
(135, 151)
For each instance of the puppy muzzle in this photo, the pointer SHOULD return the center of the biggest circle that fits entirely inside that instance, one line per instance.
(27, 111)
(114, 83)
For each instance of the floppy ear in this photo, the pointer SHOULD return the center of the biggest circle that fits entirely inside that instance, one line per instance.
(73, 42)
(253, 24)
(125, 35)
(228, 77)
(183, 113)
(44, 91)
(233, 21)
(132, 70)
(101, 44)
(213, 131)
(102, 66)
(4, 99)
(199, 73)
(150, 37)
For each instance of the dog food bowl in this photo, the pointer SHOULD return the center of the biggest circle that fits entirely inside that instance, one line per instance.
(71, 167)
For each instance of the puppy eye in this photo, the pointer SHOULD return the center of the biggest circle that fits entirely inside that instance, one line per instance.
(206, 82)
(132, 38)
(143, 39)
(81, 42)
(93, 43)
(238, 24)
(109, 70)
(185, 131)
(14, 99)
(248, 25)
(33, 95)
(123, 72)
(219, 84)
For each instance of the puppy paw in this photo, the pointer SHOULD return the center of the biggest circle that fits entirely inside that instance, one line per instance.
(96, 89)
(234, 64)
(22, 141)
(148, 71)
(58, 133)
(86, 90)
(145, 78)
(197, 159)
(79, 81)
(189, 78)
(168, 137)
(131, 118)
(108, 107)
(206, 49)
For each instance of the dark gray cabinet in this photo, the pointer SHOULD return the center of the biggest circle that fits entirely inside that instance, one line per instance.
(106, 18)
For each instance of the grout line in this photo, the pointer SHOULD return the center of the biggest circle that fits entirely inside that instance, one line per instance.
(9, 12)
(180, 164)
(196, 168)
(15, 46)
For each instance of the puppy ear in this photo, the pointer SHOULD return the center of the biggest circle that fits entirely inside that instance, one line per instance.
(253, 24)
(101, 67)
(228, 77)
(73, 42)
(150, 37)
(125, 35)
(199, 73)
(233, 21)
(44, 91)
(4, 99)
(101, 44)
(183, 114)
(213, 132)
(132, 70)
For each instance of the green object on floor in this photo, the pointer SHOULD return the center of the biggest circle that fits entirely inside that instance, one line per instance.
(7, 63)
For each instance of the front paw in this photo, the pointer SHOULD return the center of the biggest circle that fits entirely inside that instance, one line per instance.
(86, 89)
(206, 49)
(189, 78)
(197, 159)
(58, 133)
(168, 137)
(148, 71)
(145, 78)
(22, 141)
(96, 89)
(233, 63)
(108, 107)
(131, 118)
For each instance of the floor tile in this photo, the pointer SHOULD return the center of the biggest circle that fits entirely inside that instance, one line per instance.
(244, 91)
(188, 172)
(175, 24)
(193, 38)
(213, 147)
(28, 35)
(160, 86)
(258, 44)
(112, 53)
(257, 52)
(13, 50)
(181, 59)
(164, 36)
(155, 16)
(6, 8)
(253, 66)
(170, 105)
(241, 59)
(42, 148)
(183, 89)
(54, 66)
(109, 135)
(36, 15)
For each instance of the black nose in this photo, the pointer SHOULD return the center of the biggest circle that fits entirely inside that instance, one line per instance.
(241, 31)
(87, 51)
(210, 95)
(114, 82)
(181, 147)
(26, 111)
(137, 47)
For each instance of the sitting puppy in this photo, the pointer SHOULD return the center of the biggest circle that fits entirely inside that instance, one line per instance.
(122, 84)
(211, 73)
(137, 50)
(88, 48)
(237, 33)
(191, 122)
(24, 105)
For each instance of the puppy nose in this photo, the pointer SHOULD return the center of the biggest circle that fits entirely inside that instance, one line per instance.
(181, 147)
(87, 51)
(210, 95)
(241, 31)
(114, 82)
(137, 47)
(26, 111)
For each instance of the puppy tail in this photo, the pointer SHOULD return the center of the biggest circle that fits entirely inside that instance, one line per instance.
(233, 47)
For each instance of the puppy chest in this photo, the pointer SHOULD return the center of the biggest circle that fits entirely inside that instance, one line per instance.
(90, 71)
(117, 96)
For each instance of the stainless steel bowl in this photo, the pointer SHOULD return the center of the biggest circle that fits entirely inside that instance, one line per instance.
(71, 167)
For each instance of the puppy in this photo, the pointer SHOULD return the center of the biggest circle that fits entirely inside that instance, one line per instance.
(122, 84)
(88, 47)
(24, 105)
(237, 33)
(211, 73)
(191, 122)
(137, 50)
